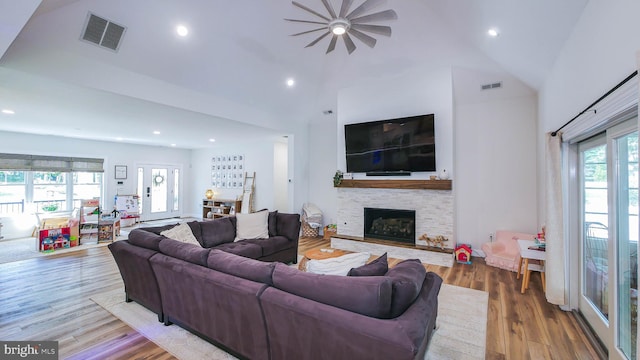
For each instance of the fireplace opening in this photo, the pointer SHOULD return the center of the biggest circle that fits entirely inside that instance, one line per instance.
(390, 224)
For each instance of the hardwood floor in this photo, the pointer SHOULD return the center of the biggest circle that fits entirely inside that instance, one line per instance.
(47, 298)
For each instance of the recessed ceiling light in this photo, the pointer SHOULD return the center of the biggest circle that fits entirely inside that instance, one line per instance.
(493, 32)
(119, 138)
(212, 140)
(173, 145)
(182, 30)
(156, 132)
(8, 111)
(290, 82)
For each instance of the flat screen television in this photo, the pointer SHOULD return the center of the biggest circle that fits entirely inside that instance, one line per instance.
(394, 145)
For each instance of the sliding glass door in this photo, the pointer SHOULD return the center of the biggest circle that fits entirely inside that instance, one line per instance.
(609, 238)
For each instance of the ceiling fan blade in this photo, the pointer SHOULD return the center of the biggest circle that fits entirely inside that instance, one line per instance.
(332, 44)
(310, 31)
(365, 7)
(310, 10)
(368, 40)
(329, 8)
(349, 43)
(307, 21)
(346, 4)
(379, 16)
(318, 39)
(376, 29)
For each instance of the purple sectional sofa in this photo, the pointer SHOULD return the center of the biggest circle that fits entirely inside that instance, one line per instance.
(268, 310)
(132, 255)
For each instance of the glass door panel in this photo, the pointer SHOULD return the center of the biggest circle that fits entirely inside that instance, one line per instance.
(595, 261)
(159, 190)
(627, 243)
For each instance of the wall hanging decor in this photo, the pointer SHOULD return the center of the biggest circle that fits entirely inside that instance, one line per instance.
(227, 171)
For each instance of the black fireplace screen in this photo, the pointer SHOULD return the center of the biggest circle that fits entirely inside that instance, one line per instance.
(390, 224)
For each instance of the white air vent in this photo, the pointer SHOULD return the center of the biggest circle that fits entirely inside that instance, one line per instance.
(491, 86)
(102, 32)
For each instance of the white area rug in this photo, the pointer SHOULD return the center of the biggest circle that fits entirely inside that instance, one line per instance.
(461, 332)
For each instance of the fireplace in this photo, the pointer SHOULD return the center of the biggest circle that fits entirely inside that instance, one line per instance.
(390, 224)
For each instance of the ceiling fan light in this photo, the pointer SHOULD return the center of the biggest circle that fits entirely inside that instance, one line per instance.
(338, 29)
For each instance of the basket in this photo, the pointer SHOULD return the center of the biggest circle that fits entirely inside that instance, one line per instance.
(308, 231)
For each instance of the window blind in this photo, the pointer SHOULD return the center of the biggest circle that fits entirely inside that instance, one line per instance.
(23, 162)
(618, 106)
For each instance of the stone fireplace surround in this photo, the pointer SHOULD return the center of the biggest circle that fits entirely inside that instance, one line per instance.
(434, 210)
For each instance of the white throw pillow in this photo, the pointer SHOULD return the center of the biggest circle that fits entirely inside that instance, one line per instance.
(182, 233)
(252, 226)
(339, 265)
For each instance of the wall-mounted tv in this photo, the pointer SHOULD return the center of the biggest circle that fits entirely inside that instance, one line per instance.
(395, 145)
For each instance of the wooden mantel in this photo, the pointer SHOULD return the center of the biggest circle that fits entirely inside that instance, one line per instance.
(397, 184)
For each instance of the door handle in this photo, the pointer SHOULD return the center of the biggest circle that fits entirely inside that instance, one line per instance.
(148, 191)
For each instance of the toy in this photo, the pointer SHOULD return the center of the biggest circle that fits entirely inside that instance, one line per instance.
(463, 253)
(436, 241)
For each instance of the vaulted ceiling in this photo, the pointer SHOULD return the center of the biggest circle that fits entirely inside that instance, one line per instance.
(227, 76)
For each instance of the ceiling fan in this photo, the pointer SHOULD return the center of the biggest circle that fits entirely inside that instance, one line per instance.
(346, 24)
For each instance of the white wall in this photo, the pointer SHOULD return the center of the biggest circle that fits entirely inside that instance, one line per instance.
(112, 153)
(415, 92)
(495, 157)
(258, 157)
(599, 54)
(323, 165)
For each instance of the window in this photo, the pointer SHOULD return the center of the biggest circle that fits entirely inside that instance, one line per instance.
(12, 192)
(46, 191)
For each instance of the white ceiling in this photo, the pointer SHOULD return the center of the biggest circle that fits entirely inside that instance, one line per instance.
(228, 75)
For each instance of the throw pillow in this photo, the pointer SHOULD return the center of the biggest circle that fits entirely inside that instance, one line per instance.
(182, 233)
(377, 267)
(406, 278)
(252, 226)
(338, 265)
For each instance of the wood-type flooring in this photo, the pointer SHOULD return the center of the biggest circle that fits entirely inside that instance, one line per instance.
(47, 298)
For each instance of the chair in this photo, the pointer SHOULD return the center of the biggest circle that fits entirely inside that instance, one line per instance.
(504, 252)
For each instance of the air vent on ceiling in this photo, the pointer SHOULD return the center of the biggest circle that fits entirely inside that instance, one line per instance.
(491, 86)
(103, 32)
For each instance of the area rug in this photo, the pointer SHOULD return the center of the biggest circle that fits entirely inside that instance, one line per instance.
(460, 334)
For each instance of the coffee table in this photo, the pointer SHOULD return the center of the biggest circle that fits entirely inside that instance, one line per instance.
(320, 254)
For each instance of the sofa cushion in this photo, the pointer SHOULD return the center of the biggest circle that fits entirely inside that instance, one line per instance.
(338, 265)
(143, 238)
(218, 231)
(407, 278)
(242, 248)
(243, 267)
(272, 245)
(193, 253)
(196, 230)
(288, 225)
(370, 296)
(252, 226)
(377, 267)
(272, 223)
(181, 232)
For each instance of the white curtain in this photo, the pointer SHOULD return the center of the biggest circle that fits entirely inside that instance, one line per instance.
(555, 254)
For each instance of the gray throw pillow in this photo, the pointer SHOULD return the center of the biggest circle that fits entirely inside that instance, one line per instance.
(377, 267)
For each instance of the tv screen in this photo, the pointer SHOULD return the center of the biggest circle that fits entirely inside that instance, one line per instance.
(403, 144)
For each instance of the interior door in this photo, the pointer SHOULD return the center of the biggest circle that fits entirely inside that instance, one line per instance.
(609, 239)
(159, 191)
